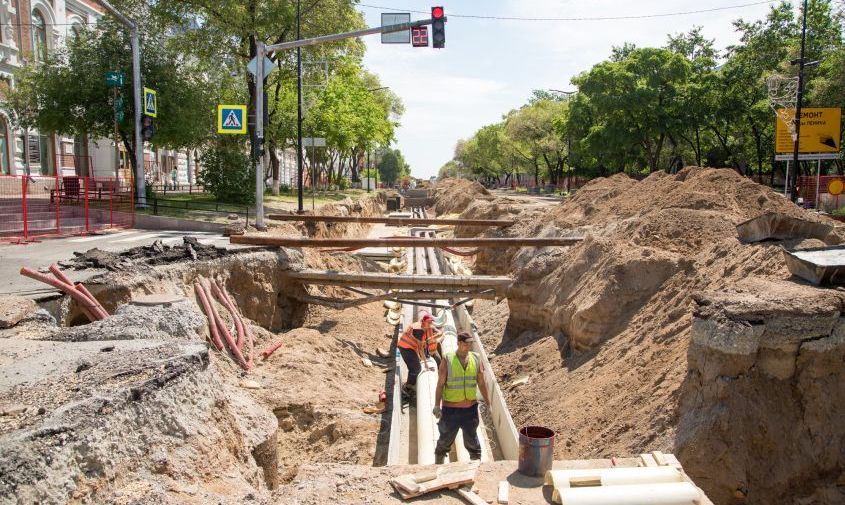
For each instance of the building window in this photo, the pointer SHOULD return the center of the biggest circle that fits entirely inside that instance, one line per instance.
(4, 149)
(39, 36)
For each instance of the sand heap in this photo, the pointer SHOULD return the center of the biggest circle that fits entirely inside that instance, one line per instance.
(603, 329)
(454, 195)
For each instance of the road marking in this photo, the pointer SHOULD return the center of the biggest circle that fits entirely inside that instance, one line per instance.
(101, 237)
(139, 237)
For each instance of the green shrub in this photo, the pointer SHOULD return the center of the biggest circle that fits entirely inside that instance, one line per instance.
(345, 183)
(228, 172)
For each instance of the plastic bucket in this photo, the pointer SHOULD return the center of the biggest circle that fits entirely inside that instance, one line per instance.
(536, 450)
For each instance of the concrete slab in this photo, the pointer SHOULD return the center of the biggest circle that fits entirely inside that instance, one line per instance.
(773, 225)
(823, 265)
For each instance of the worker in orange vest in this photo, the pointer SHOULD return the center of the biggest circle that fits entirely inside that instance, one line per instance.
(417, 342)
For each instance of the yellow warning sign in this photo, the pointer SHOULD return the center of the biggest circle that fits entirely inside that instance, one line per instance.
(820, 131)
(835, 187)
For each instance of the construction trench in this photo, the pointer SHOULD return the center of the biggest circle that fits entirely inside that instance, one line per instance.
(660, 332)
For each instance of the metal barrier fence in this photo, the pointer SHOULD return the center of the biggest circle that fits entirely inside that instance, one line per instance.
(164, 188)
(34, 206)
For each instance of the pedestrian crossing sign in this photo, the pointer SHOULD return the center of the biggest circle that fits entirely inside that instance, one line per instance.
(150, 102)
(231, 119)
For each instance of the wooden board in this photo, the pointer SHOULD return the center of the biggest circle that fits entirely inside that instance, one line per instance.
(449, 476)
(470, 497)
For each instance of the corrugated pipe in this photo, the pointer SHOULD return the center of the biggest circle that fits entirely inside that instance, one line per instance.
(89, 307)
(64, 278)
(206, 308)
(227, 336)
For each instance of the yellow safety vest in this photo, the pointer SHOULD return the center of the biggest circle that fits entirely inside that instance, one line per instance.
(460, 383)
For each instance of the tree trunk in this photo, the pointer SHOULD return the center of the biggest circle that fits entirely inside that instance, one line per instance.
(274, 164)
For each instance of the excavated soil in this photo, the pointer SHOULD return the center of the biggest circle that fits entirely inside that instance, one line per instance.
(603, 332)
(137, 408)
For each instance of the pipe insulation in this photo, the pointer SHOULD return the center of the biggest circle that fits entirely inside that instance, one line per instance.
(613, 476)
(673, 493)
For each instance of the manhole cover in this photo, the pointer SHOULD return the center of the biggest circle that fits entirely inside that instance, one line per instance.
(159, 299)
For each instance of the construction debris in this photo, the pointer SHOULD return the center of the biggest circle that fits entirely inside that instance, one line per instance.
(451, 476)
(156, 253)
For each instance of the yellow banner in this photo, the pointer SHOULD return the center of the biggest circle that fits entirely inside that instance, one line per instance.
(820, 131)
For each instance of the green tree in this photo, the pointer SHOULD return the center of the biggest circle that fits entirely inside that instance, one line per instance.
(67, 93)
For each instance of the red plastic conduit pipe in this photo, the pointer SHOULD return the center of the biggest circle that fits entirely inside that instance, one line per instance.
(230, 342)
(236, 312)
(212, 324)
(64, 278)
(78, 296)
(224, 300)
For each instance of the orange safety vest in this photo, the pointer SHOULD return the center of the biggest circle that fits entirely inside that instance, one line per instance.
(409, 341)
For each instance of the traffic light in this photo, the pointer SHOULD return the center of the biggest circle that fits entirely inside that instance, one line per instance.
(148, 129)
(438, 28)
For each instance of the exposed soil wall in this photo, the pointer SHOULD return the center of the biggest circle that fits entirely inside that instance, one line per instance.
(137, 409)
(603, 328)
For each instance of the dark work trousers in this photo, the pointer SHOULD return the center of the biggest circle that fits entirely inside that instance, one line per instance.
(453, 419)
(412, 361)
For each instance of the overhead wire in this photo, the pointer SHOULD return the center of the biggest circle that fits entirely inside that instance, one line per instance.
(581, 18)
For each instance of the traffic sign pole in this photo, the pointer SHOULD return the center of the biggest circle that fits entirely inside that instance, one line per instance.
(264, 50)
(259, 138)
(135, 42)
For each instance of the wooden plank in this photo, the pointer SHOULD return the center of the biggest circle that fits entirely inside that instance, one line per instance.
(449, 476)
(648, 460)
(394, 221)
(470, 497)
(360, 243)
(504, 491)
(660, 458)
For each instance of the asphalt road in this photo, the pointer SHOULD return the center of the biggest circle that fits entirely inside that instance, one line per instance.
(51, 250)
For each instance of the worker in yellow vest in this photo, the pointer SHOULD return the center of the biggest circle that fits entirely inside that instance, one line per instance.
(461, 376)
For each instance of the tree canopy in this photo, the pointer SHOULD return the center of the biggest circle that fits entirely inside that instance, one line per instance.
(645, 108)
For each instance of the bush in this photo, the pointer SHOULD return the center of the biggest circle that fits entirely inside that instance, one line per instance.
(228, 172)
(345, 183)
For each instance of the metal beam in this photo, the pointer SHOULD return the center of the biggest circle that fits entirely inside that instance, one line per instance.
(348, 35)
(395, 221)
(360, 243)
(402, 281)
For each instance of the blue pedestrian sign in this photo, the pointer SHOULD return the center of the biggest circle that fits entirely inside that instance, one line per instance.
(231, 119)
(150, 103)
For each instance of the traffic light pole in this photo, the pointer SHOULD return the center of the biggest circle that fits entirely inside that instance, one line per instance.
(263, 51)
(135, 41)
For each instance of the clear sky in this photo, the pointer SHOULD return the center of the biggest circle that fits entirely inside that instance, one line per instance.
(491, 66)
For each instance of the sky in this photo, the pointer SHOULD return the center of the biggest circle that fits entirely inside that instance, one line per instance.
(490, 67)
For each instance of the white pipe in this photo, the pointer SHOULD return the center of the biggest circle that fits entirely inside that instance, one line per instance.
(427, 433)
(614, 476)
(675, 493)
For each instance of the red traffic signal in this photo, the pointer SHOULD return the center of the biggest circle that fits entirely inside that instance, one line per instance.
(438, 28)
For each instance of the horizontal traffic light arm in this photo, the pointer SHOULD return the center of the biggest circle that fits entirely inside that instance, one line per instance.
(349, 35)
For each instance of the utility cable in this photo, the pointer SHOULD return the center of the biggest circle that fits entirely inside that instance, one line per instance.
(588, 18)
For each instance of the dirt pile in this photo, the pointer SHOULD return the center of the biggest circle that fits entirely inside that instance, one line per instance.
(452, 196)
(156, 253)
(603, 328)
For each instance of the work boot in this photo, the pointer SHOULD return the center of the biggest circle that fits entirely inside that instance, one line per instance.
(439, 458)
